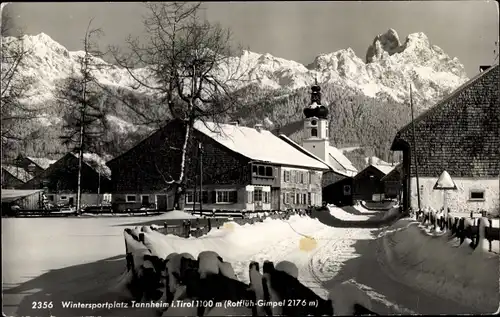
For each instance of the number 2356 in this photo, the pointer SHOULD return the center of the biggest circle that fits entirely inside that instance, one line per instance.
(41, 305)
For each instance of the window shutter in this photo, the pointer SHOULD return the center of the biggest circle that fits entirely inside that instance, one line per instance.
(249, 197)
(214, 196)
(205, 197)
(235, 197)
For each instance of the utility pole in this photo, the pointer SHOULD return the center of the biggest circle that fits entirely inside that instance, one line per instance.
(200, 150)
(414, 148)
(99, 190)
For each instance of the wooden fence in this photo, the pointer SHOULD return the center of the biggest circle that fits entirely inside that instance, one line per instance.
(461, 227)
(201, 226)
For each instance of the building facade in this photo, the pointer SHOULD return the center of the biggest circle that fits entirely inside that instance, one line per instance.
(242, 168)
(459, 135)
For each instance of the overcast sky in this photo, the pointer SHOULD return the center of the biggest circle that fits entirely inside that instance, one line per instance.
(293, 30)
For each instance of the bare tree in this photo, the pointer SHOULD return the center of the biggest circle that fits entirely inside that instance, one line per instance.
(83, 104)
(189, 71)
(15, 106)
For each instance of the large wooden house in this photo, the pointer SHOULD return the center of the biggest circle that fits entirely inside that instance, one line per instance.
(460, 135)
(60, 180)
(242, 168)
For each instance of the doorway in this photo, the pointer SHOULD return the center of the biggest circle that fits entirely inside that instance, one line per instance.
(161, 202)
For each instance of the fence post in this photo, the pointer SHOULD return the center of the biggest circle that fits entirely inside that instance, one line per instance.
(490, 240)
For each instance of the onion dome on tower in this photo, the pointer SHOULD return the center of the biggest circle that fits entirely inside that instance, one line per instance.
(315, 109)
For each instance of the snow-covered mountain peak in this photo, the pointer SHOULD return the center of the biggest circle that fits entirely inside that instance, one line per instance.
(391, 66)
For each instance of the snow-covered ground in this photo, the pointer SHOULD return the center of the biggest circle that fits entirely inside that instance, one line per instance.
(32, 247)
(341, 214)
(316, 249)
(50, 243)
(439, 265)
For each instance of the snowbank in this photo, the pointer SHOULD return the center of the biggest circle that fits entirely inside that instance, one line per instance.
(362, 209)
(340, 214)
(430, 263)
(276, 240)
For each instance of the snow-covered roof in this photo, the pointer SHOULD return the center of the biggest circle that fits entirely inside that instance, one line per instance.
(349, 149)
(373, 160)
(10, 195)
(258, 145)
(341, 158)
(41, 161)
(97, 163)
(396, 169)
(445, 182)
(18, 172)
(334, 168)
(386, 169)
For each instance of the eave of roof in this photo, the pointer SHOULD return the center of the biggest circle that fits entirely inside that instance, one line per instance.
(303, 150)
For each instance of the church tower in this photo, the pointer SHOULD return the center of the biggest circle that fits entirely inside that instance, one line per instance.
(316, 125)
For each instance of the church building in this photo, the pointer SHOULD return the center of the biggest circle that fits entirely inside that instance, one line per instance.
(336, 183)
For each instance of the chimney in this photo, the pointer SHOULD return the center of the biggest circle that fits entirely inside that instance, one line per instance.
(258, 127)
(482, 68)
(370, 160)
(236, 123)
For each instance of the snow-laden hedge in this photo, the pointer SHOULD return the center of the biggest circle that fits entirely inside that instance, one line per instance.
(474, 230)
(158, 277)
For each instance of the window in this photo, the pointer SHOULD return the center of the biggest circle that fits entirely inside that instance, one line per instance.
(257, 194)
(304, 199)
(314, 132)
(130, 198)
(145, 200)
(314, 122)
(476, 195)
(269, 171)
(294, 179)
(64, 197)
(50, 197)
(286, 176)
(297, 197)
(292, 198)
(284, 198)
(261, 171)
(267, 198)
(301, 177)
(191, 197)
(309, 202)
(226, 196)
